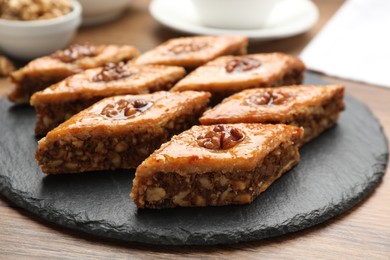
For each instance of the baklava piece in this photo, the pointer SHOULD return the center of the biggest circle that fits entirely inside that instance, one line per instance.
(45, 71)
(315, 108)
(216, 165)
(59, 102)
(227, 75)
(192, 52)
(118, 132)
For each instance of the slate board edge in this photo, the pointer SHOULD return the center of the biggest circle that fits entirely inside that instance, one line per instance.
(319, 216)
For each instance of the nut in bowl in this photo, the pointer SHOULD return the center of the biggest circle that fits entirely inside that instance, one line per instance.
(25, 36)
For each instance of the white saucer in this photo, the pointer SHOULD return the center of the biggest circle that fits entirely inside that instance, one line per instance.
(290, 17)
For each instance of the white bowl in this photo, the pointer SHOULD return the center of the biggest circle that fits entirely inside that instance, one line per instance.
(31, 39)
(102, 11)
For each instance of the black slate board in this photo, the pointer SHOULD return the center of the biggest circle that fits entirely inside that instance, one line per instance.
(337, 170)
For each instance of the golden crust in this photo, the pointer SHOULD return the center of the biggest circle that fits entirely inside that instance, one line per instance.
(118, 132)
(214, 76)
(42, 72)
(243, 161)
(191, 52)
(143, 79)
(183, 155)
(299, 100)
(166, 106)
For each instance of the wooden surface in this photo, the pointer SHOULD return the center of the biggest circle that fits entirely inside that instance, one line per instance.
(361, 233)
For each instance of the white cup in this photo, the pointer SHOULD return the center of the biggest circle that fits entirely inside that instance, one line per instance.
(234, 14)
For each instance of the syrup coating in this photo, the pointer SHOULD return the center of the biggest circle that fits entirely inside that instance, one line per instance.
(255, 105)
(191, 52)
(83, 85)
(235, 73)
(183, 154)
(45, 71)
(165, 106)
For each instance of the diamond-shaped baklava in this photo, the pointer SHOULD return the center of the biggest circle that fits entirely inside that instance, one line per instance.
(216, 165)
(61, 101)
(45, 71)
(118, 132)
(227, 75)
(191, 52)
(315, 108)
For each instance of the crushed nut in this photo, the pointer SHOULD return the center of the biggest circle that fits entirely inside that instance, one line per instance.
(47, 121)
(6, 66)
(221, 137)
(179, 198)
(71, 166)
(239, 185)
(78, 144)
(243, 198)
(75, 52)
(27, 10)
(116, 159)
(205, 183)
(225, 196)
(121, 147)
(200, 201)
(269, 98)
(188, 47)
(55, 163)
(113, 71)
(242, 64)
(155, 194)
(124, 109)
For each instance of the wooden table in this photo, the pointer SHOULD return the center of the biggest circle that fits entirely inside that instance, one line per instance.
(363, 232)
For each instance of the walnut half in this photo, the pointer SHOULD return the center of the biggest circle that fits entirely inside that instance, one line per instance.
(242, 64)
(221, 137)
(113, 71)
(123, 109)
(268, 98)
(187, 47)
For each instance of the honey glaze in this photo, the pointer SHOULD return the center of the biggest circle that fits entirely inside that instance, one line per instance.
(113, 71)
(268, 98)
(242, 64)
(124, 109)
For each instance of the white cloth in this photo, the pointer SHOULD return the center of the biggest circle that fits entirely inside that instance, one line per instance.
(354, 44)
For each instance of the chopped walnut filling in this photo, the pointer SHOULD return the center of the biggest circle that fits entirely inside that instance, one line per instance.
(75, 52)
(242, 64)
(112, 71)
(221, 137)
(124, 109)
(184, 48)
(269, 98)
(167, 190)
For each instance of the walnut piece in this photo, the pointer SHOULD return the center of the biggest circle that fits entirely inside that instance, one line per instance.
(269, 98)
(124, 109)
(221, 137)
(112, 71)
(6, 66)
(242, 64)
(187, 47)
(75, 52)
(27, 10)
